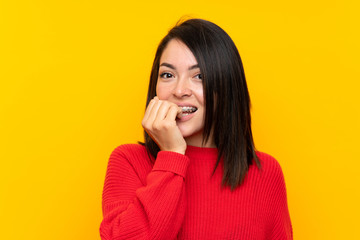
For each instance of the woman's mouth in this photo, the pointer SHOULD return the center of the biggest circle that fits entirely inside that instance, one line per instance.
(186, 110)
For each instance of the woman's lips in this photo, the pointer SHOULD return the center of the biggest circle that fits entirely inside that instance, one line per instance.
(186, 114)
(188, 109)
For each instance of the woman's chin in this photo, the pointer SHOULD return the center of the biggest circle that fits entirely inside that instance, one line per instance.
(192, 137)
(185, 134)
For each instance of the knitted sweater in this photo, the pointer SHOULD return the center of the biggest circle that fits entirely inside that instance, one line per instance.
(177, 197)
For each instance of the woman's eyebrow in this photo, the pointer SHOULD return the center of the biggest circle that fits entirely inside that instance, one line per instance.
(173, 67)
(194, 66)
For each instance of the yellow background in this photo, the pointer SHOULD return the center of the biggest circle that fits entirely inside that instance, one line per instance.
(74, 78)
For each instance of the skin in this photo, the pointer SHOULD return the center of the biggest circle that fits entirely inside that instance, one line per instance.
(179, 84)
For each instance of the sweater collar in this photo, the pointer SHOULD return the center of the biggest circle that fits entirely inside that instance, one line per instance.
(201, 152)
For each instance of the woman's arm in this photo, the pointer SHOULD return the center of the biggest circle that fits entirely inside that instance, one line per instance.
(136, 210)
(282, 227)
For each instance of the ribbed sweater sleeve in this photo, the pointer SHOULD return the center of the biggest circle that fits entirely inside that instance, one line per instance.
(135, 208)
(282, 228)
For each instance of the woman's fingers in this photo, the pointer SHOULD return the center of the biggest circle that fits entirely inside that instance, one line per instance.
(149, 109)
(158, 110)
(174, 111)
(162, 111)
(160, 123)
(154, 111)
(179, 112)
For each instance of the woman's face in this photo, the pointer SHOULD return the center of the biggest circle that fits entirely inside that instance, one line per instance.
(180, 82)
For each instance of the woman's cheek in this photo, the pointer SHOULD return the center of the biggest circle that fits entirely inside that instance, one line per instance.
(162, 92)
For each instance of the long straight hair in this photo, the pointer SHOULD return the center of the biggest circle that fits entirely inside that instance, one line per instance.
(227, 100)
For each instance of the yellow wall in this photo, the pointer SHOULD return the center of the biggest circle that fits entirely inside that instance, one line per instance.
(73, 82)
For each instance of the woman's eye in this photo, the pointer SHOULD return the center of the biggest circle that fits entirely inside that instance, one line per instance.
(199, 76)
(166, 75)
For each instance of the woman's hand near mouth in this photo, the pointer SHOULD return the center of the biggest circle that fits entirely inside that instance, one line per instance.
(160, 123)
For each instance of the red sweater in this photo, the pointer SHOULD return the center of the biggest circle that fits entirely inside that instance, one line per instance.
(177, 198)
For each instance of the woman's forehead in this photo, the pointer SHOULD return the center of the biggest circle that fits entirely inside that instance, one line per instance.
(177, 54)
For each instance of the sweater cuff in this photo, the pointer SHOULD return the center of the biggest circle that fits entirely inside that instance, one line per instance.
(171, 162)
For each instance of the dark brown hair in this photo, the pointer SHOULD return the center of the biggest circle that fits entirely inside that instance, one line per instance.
(226, 95)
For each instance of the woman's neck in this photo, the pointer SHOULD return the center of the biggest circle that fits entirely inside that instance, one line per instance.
(197, 141)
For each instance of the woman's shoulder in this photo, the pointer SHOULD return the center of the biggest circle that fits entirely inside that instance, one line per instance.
(266, 158)
(269, 165)
(130, 152)
(130, 148)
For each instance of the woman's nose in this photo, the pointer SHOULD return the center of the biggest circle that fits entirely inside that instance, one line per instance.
(182, 88)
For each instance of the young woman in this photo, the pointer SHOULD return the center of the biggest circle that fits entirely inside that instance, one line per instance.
(198, 175)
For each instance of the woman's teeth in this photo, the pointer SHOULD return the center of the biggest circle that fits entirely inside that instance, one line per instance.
(188, 110)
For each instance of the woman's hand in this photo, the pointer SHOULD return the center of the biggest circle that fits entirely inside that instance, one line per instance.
(160, 123)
